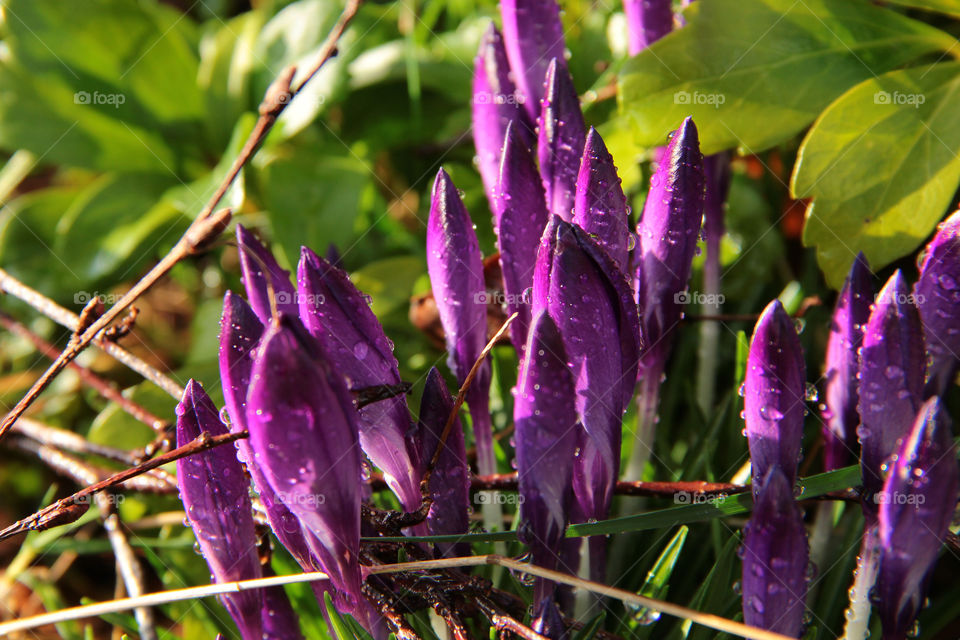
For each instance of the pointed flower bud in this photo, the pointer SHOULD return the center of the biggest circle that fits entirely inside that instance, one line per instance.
(891, 380)
(647, 22)
(840, 414)
(456, 274)
(496, 103)
(337, 314)
(916, 507)
(775, 558)
(262, 276)
(216, 499)
(303, 430)
(600, 208)
(938, 297)
(533, 36)
(523, 216)
(562, 135)
(774, 394)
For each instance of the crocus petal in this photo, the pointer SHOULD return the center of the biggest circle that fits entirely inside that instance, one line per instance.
(716, 177)
(456, 274)
(303, 430)
(279, 618)
(450, 482)
(938, 298)
(533, 36)
(262, 275)
(774, 393)
(647, 22)
(546, 439)
(775, 558)
(916, 507)
(562, 135)
(600, 208)
(240, 333)
(840, 414)
(496, 104)
(522, 220)
(337, 314)
(891, 380)
(215, 496)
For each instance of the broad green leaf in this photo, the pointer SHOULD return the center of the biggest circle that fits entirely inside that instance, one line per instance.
(950, 7)
(754, 73)
(881, 167)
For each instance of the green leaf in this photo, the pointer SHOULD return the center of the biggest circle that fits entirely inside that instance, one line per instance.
(591, 628)
(950, 7)
(754, 73)
(389, 282)
(340, 627)
(881, 166)
(714, 593)
(655, 584)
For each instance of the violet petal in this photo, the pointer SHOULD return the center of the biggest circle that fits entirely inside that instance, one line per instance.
(562, 135)
(533, 36)
(647, 22)
(938, 298)
(261, 275)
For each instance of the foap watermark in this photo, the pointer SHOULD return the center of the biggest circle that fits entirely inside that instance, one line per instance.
(697, 97)
(896, 497)
(686, 497)
(500, 298)
(899, 98)
(106, 299)
(112, 99)
(900, 298)
(495, 497)
(698, 297)
(485, 97)
(301, 499)
(286, 297)
(111, 498)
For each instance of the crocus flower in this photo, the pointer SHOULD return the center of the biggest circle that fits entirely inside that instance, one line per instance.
(303, 430)
(263, 277)
(336, 313)
(916, 506)
(600, 208)
(774, 394)
(840, 414)
(546, 437)
(450, 480)
(496, 104)
(523, 216)
(533, 36)
(279, 618)
(456, 273)
(775, 556)
(215, 496)
(562, 135)
(647, 22)
(892, 362)
(589, 299)
(938, 297)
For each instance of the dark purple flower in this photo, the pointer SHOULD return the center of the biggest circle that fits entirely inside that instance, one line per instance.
(523, 216)
(916, 507)
(938, 298)
(840, 414)
(600, 208)
(450, 482)
(263, 277)
(774, 394)
(546, 438)
(303, 430)
(533, 36)
(892, 362)
(215, 496)
(456, 273)
(562, 135)
(279, 619)
(775, 557)
(716, 177)
(647, 22)
(496, 104)
(337, 314)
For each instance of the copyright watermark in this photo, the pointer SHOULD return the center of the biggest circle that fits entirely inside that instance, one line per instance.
(83, 297)
(112, 99)
(485, 97)
(900, 298)
(685, 97)
(302, 499)
(685, 497)
(898, 98)
(285, 297)
(899, 498)
(500, 298)
(697, 297)
(495, 497)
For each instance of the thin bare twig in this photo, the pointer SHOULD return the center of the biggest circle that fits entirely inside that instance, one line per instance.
(698, 488)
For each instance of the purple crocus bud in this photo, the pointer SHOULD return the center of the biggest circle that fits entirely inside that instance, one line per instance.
(775, 558)
(279, 618)
(215, 496)
(600, 208)
(892, 363)
(456, 273)
(303, 430)
(938, 297)
(262, 276)
(562, 135)
(533, 36)
(840, 416)
(774, 394)
(523, 216)
(496, 103)
(337, 314)
(916, 507)
(450, 481)
(546, 436)
(716, 177)
(647, 22)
